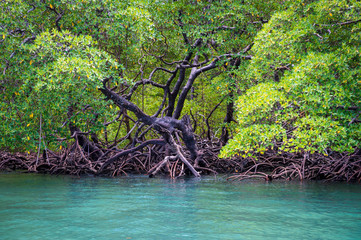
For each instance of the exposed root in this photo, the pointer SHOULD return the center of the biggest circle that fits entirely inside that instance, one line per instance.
(155, 159)
(272, 165)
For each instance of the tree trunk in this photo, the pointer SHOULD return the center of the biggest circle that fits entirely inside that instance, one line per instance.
(93, 151)
(227, 120)
(165, 126)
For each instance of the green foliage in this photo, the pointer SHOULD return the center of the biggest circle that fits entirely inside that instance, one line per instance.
(306, 71)
(296, 90)
(59, 71)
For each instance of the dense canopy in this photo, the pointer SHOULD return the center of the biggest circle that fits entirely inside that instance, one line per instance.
(153, 83)
(306, 76)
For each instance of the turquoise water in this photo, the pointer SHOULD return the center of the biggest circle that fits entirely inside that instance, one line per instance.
(62, 207)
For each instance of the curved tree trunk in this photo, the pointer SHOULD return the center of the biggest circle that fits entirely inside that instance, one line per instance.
(89, 147)
(165, 126)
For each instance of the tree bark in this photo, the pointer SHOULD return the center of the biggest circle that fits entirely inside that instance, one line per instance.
(227, 119)
(165, 126)
(94, 152)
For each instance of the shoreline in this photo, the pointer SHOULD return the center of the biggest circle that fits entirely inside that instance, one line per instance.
(269, 166)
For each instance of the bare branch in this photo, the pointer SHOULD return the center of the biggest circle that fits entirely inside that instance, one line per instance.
(213, 65)
(58, 17)
(114, 120)
(125, 152)
(160, 68)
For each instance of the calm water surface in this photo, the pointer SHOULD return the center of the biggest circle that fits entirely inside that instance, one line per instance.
(62, 207)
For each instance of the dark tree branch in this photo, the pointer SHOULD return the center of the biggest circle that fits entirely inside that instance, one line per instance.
(124, 103)
(33, 7)
(158, 69)
(181, 24)
(195, 72)
(213, 64)
(166, 91)
(352, 108)
(26, 40)
(338, 24)
(349, 22)
(145, 82)
(193, 75)
(164, 126)
(114, 120)
(209, 116)
(128, 151)
(83, 141)
(173, 95)
(355, 118)
(58, 17)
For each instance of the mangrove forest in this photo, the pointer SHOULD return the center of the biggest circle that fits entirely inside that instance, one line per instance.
(250, 88)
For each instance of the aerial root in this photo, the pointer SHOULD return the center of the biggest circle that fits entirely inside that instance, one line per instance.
(302, 166)
(155, 159)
